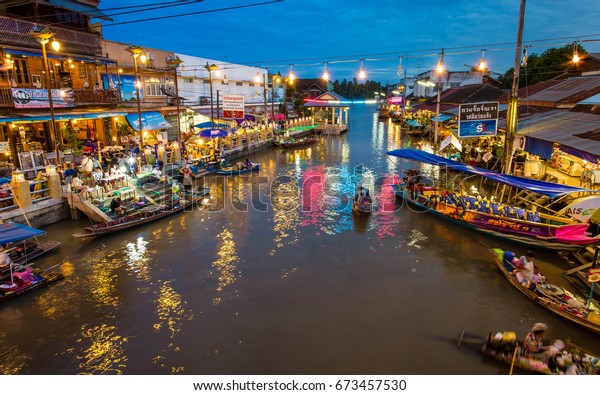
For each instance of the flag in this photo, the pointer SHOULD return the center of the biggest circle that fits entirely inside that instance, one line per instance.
(408, 144)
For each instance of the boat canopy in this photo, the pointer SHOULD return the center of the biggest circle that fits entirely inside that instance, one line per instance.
(545, 188)
(11, 232)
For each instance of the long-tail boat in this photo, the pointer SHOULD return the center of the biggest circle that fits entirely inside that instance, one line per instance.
(512, 223)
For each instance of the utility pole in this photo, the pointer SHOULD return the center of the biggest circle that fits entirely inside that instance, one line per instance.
(511, 112)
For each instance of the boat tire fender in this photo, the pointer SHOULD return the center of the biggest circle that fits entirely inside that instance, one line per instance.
(431, 202)
(460, 210)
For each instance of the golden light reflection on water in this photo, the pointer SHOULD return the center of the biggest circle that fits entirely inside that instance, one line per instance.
(171, 314)
(105, 353)
(226, 261)
(102, 280)
(12, 361)
(285, 199)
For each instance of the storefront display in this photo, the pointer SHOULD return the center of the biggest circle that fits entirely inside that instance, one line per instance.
(567, 164)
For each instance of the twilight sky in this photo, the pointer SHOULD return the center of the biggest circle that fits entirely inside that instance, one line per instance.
(307, 33)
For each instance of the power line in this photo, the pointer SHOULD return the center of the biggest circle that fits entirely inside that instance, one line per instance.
(195, 13)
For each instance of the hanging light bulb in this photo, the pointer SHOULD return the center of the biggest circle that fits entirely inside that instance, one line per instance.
(440, 66)
(400, 66)
(257, 77)
(524, 61)
(325, 73)
(482, 65)
(291, 75)
(55, 44)
(576, 58)
(361, 73)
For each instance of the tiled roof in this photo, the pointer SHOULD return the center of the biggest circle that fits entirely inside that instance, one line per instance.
(453, 97)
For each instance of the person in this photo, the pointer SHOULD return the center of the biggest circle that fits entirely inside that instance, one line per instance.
(87, 165)
(248, 164)
(187, 177)
(593, 228)
(77, 184)
(69, 173)
(115, 206)
(97, 88)
(533, 346)
(528, 267)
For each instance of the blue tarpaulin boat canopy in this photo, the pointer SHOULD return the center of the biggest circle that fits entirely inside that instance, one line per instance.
(443, 117)
(413, 123)
(549, 189)
(11, 232)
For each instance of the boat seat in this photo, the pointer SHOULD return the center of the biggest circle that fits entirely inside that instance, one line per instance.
(495, 208)
(509, 212)
(520, 212)
(484, 207)
(472, 202)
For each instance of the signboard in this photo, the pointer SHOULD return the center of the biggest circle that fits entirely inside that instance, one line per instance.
(451, 140)
(150, 121)
(478, 119)
(111, 81)
(594, 275)
(233, 106)
(38, 98)
(4, 146)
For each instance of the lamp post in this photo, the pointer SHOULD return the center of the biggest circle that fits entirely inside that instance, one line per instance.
(210, 69)
(43, 36)
(174, 63)
(135, 52)
(276, 79)
(265, 100)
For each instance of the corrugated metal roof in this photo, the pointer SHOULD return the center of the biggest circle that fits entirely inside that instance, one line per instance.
(81, 8)
(571, 90)
(574, 129)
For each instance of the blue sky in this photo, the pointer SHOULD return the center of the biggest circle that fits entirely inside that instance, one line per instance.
(307, 33)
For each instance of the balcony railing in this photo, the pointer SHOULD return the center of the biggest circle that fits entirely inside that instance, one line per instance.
(89, 96)
(6, 99)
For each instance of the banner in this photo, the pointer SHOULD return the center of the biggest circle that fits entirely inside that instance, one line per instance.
(4, 146)
(150, 121)
(38, 98)
(233, 106)
(127, 85)
(478, 120)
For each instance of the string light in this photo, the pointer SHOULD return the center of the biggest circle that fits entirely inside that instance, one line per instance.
(291, 75)
(576, 58)
(325, 73)
(361, 73)
(482, 65)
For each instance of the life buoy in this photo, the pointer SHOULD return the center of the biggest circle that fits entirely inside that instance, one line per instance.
(431, 202)
(460, 210)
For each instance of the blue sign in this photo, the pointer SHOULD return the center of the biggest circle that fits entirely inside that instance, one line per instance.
(150, 121)
(478, 120)
(127, 85)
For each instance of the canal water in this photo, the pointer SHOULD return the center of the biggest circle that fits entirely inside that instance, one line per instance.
(274, 275)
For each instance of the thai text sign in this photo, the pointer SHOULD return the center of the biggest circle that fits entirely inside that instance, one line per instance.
(478, 119)
(233, 106)
(38, 98)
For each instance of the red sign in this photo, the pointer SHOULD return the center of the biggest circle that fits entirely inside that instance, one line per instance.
(594, 275)
(233, 106)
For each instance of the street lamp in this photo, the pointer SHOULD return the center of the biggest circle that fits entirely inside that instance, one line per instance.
(276, 80)
(135, 52)
(439, 70)
(174, 63)
(210, 69)
(43, 36)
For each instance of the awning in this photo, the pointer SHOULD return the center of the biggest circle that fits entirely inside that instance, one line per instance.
(61, 56)
(150, 121)
(549, 189)
(81, 8)
(61, 117)
(11, 232)
(413, 123)
(443, 117)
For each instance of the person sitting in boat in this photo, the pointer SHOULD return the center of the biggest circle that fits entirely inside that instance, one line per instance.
(115, 206)
(533, 346)
(528, 268)
(248, 164)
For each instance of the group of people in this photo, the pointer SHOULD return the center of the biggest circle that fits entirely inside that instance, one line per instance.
(523, 268)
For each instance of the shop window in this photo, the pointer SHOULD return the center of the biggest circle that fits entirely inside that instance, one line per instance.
(155, 86)
(20, 71)
(239, 84)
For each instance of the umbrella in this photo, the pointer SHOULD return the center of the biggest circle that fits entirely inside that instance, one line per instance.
(214, 124)
(212, 133)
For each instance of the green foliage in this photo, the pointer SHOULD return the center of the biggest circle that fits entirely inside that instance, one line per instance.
(548, 65)
(123, 129)
(70, 137)
(353, 90)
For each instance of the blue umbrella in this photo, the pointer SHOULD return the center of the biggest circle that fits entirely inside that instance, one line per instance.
(213, 133)
(211, 125)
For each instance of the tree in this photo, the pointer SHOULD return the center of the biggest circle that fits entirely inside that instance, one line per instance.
(550, 64)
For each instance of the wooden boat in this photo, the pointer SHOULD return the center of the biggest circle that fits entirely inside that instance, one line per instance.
(142, 216)
(361, 209)
(563, 359)
(232, 171)
(10, 290)
(22, 245)
(362, 205)
(295, 143)
(551, 297)
(503, 221)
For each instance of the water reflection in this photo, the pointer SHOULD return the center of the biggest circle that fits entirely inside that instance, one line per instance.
(13, 361)
(226, 263)
(285, 193)
(138, 258)
(105, 353)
